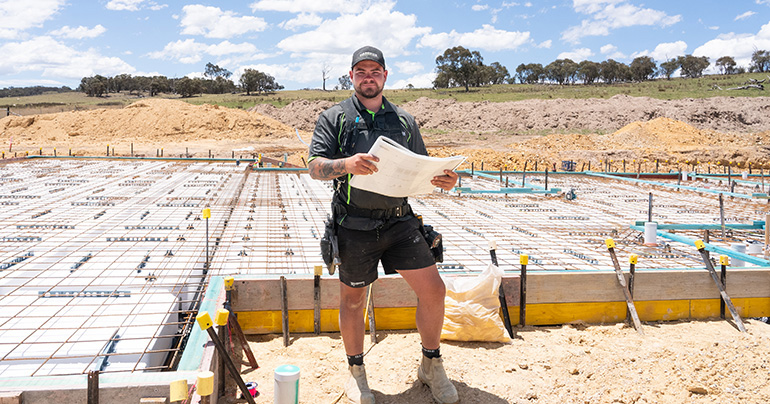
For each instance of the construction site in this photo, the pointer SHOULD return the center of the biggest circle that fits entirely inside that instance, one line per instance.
(106, 262)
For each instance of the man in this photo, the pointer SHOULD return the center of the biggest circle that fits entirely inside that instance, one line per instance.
(373, 227)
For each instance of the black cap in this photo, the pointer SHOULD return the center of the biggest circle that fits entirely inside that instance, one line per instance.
(368, 53)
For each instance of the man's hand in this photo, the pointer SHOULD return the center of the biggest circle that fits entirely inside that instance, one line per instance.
(361, 164)
(326, 169)
(446, 181)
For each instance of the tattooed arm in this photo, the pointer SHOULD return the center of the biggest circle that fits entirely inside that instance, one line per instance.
(326, 169)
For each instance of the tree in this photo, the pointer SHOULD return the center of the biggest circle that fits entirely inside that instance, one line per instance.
(588, 71)
(499, 73)
(159, 84)
(255, 80)
(95, 86)
(530, 73)
(562, 71)
(612, 71)
(669, 67)
(345, 83)
(760, 61)
(187, 87)
(693, 66)
(726, 65)
(460, 66)
(325, 70)
(213, 71)
(643, 68)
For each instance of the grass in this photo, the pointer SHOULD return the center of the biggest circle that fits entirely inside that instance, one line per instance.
(674, 89)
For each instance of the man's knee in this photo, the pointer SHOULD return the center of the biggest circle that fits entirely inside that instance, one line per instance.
(352, 298)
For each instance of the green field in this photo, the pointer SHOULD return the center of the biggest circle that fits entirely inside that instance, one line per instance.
(673, 89)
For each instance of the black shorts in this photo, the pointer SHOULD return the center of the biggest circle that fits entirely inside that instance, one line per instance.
(400, 245)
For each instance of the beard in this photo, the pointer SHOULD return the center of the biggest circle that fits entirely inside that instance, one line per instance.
(369, 91)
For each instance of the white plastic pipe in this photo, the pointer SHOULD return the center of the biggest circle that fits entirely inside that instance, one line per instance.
(650, 233)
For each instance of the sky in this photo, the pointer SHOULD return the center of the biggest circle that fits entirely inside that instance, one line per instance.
(58, 42)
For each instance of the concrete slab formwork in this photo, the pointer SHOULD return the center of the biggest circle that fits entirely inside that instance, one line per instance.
(103, 262)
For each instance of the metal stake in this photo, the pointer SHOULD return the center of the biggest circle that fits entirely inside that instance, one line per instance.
(501, 293)
(728, 302)
(622, 281)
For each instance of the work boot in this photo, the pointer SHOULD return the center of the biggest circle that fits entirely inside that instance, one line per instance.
(357, 389)
(432, 373)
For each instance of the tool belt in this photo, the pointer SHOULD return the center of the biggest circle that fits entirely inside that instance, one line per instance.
(376, 214)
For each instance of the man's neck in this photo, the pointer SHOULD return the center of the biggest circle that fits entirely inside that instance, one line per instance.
(372, 104)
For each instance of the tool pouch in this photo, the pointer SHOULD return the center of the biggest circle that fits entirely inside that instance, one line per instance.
(329, 250)
(435, 242)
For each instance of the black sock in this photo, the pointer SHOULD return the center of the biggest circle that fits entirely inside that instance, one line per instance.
(431, 353)
(356, 359)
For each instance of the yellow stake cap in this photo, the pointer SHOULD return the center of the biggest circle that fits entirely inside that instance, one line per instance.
(206, 213)
(318, 270)
(633, 258)
(724, 260)
(205, 383)
(204, 320)
(221, 317)
(523, 259)
(229, 283)
(699, 244)
(610, 243)
(178, 390)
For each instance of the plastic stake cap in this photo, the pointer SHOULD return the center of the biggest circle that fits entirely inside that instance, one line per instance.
(610, 243)
(523, 259)
(724, 260)
(632, 259)
(229, 283)
(699, 244)
(206, 213)
(205, 383)
(178, 390)
(221, 317)
(204, 320)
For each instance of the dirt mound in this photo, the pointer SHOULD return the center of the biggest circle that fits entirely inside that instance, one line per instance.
(151, 123)
(724, 114)
(301, 114)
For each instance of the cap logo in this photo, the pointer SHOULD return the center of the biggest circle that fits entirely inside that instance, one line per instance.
(367, 55)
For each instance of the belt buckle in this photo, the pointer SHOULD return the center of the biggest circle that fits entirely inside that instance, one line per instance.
(399, 211)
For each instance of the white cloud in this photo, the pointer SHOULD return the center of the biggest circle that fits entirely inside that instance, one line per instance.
(607, 15)
(486, 38)
(18, 16)
(407, 67)
(79, 32)
(302, 20)
(576, 55)
(739, 46)
(310, 6)
(418, 81)
(133, 5)
(50, 58)
(611, 52)
(664, 51)
(744, 15)
(479, 7)
(188, 51)
(338, 38)
(545, 44)
(714, 28)
(212, 22)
